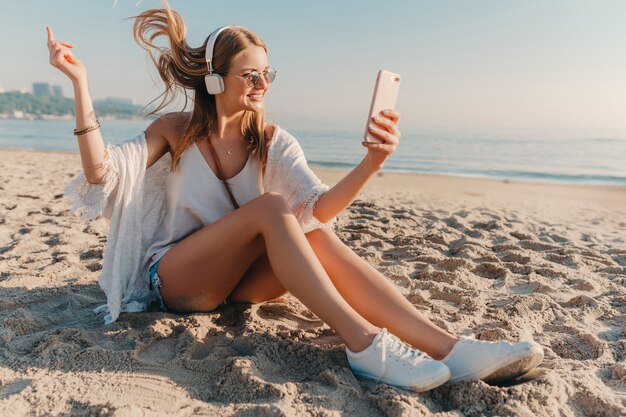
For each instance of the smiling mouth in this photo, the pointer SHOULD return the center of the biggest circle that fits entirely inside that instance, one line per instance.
(256, 96)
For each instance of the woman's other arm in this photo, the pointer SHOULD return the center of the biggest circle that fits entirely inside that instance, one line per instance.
(90, 144)
(335, 200)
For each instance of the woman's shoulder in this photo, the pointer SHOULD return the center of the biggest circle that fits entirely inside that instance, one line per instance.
(270, 130)
(278, 135)
(283, 144)
(171, 126)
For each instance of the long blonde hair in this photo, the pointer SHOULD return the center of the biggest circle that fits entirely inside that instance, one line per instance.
(182, 67)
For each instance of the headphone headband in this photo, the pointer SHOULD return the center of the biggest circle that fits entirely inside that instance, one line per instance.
(210, 44)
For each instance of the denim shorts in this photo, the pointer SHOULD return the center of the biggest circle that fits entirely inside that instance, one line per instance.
(155, 283)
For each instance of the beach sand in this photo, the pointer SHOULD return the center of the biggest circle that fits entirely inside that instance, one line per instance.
(499, 259)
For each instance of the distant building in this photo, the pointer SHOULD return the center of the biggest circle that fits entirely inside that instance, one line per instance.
(1, 89)
(57, 91)
(45, 89)
(117, 100)
(42, 89)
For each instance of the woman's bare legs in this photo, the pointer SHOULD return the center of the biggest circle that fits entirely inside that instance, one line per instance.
(259, 284)
(375, 298)
(362, 286)
(203, 269)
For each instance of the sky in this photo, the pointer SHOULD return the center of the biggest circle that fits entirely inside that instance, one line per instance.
(483, 64)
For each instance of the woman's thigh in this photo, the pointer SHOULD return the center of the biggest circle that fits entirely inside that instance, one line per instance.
(200, 271)
(260, 283)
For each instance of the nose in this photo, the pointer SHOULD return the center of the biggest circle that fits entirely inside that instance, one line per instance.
(262, 83)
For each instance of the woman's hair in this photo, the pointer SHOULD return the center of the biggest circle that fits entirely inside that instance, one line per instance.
(182, 67)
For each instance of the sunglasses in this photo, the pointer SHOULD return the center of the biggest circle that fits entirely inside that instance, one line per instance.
(253, 77)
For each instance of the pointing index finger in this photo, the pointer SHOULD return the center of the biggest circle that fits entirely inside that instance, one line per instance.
(50, 34)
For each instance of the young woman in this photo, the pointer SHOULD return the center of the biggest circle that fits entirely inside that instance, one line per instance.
(245, 220)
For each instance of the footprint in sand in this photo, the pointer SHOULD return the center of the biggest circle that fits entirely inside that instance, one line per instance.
(241, 381)
(210, 344)
(158, 351)
(570, 343)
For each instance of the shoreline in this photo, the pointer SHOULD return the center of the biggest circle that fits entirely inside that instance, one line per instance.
(397, 178)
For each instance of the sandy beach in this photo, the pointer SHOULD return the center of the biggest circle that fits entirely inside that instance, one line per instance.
(498, 259)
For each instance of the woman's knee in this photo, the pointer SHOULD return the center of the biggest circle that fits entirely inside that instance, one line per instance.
(270, 210)
(273, 202)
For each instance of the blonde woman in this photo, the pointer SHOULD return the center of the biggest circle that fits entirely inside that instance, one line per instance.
(239, 216)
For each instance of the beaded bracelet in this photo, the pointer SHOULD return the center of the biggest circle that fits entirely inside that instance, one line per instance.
(87, 129)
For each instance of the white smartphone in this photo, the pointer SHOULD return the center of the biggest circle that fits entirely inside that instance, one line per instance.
(385, 97)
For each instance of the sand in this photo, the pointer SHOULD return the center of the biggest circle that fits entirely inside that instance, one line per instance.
(498, 259)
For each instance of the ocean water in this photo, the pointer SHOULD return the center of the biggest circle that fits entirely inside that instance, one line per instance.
(564, 155)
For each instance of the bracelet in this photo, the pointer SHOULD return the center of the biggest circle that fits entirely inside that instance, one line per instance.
(87, 129)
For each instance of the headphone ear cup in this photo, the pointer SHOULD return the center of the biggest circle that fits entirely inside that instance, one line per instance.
(214, 83)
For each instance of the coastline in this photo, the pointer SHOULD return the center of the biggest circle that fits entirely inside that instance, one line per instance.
(488, 189)
(401, 181)
(499, 259)
(588, 160)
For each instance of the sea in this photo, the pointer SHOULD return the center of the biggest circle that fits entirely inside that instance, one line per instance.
(578, 156)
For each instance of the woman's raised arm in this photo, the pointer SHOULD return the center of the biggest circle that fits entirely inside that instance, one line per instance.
(90, 143)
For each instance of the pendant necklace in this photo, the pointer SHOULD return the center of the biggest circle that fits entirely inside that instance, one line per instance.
(223, 146)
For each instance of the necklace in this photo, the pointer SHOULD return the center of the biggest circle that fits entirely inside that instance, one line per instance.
(223, 146)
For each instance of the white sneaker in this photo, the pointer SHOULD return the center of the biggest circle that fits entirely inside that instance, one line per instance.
(491, 361)
(390, 360)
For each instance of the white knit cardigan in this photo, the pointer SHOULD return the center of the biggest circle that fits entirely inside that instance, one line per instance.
(133, 199)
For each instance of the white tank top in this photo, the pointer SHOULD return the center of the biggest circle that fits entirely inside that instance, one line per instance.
(195, 197)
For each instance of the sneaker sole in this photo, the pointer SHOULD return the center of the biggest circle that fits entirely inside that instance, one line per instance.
(497, 373)
(434, 382)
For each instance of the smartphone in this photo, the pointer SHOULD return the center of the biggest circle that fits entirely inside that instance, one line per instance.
(385, 97)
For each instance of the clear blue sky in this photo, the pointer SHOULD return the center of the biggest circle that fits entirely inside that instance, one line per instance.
(500, 63)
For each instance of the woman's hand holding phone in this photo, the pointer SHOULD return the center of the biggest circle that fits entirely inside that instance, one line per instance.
(381, 135)
(383, 127)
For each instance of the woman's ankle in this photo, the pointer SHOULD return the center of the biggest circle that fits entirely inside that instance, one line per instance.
(444, 348)
(361, 341)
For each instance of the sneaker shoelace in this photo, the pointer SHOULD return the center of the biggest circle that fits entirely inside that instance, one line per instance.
(400, 349)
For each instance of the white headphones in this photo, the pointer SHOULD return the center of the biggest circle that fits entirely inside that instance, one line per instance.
(214, 82)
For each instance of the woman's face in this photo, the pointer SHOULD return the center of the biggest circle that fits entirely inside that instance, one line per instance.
(238, 95)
